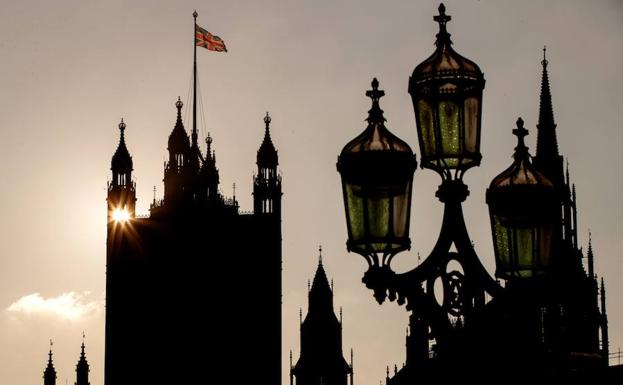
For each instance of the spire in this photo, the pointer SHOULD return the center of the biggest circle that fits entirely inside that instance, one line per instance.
(82, 368)
(605, 343)
(178, 140)
(49, 375)
(567, 178)
(209, 164)
(267, 154)
(590, 257)
(547, 157)
(320, 294)
(352, 368)
(321, 282)
(121, 162)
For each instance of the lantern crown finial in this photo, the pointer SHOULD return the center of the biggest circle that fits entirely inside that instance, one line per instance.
(442, 19)
(376, 113)
(520, 132)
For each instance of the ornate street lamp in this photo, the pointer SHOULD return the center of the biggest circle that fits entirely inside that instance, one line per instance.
(448, 288)
(446, 90)
(377, 176)
(523, 210)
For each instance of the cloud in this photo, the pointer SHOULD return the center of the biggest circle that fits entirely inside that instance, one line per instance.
(70, 306)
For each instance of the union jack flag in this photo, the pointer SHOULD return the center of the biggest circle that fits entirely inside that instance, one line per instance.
(206, 40)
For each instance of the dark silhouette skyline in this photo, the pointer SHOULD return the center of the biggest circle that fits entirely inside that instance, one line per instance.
(103, 61)
(321, 359)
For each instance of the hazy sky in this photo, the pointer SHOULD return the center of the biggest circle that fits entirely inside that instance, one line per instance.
(69, 70)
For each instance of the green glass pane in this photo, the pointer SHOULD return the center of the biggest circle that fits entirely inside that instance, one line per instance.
(502, 246)
(354, 208)
(378, 216)
(379, 246)
(471, 124)
(452, 162)
(449, 126)
(524, 248)
(401, 211)
(426, 128)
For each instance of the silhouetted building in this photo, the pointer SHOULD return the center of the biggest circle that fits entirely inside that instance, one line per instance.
(321, 360)
(194, 288)
(49, 374)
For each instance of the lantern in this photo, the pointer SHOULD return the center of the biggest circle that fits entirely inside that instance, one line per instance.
(377, 175)
(523, 209)
(446, 90)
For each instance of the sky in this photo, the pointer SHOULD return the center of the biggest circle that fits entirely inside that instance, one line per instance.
(71, 69)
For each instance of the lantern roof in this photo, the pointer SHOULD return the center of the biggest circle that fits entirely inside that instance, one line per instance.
(445, 61)
(376, 136)
(521, 172)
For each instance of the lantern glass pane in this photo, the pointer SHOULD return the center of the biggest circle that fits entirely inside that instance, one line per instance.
(545, 245)
(524, 251)
(449, 128)
(471, 124)
(427, 127)
(378, 216)
(401, 210)
(354, 209)
(501, 245)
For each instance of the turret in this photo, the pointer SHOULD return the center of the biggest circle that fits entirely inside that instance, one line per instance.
(267, 183)
(122, 189)
(178, 173)
(209, 175)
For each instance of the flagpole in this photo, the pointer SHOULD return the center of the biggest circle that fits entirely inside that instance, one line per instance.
(194, 133)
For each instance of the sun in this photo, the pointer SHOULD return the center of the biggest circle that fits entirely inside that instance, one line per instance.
(120, 215)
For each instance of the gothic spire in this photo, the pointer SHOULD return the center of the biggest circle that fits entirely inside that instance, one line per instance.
(178, 140)
(590, 257)
(321, 354)
(121, 161)
(547, 158)
(320, 294)
(605, 343)
(49, 375)
(547, 144)
(82, 368)
(267, 154)
(209, 164)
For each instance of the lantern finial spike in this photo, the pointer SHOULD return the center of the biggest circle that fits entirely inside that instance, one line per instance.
(375, 115)
(443, 37)
(520, 132)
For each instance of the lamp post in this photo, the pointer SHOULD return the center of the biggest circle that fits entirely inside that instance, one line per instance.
(376, 169)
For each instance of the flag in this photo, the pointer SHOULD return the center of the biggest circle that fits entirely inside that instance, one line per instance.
(206, 40)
